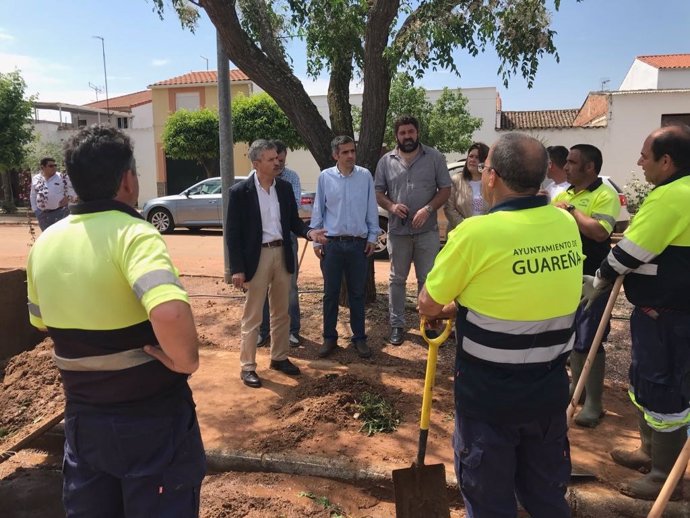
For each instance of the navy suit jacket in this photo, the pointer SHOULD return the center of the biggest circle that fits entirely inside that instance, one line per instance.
(243, 227)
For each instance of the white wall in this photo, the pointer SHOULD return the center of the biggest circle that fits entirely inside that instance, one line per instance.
(641, 76)
(481, 103)
(142, 116)
(145, 155)
(672, 78)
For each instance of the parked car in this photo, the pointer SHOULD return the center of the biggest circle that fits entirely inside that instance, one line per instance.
(199, 206)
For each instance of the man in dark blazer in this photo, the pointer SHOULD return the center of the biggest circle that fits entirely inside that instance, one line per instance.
(261, 214)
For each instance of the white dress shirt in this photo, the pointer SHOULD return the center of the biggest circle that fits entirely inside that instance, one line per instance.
(270, 212)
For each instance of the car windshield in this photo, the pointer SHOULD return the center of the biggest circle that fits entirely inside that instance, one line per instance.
(210, 187)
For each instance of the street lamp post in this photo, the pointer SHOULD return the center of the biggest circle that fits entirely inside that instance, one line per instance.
(105, 74)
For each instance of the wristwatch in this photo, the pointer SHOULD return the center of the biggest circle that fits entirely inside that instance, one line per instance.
(570, 207)
(429, 209)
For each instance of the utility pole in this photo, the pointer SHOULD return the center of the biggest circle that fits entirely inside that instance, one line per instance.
(97, 90)
(105, 75)
(227, 170)
(205, 59)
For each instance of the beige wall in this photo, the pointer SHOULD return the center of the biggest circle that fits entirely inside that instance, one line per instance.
(163, 101)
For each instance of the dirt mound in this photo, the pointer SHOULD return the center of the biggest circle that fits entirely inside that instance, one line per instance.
(31, 389)
(331, 401)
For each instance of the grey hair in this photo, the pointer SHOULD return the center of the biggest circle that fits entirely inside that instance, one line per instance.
(339, 141)
(521, 162)
(258, 147)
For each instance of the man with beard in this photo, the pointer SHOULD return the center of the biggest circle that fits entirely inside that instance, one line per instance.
(412, 183)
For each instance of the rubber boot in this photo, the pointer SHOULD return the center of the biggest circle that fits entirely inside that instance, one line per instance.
(592, 412)
(641, 458)
(577, 363)
(666, 447)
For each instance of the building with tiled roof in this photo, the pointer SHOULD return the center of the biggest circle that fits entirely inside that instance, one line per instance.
(659, 72)
(541, 119)
(123, 103)
(206, 77)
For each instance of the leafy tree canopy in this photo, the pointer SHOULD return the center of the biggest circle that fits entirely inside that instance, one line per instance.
(258, 116)
(193, 135)
(445, 124)
(16, 131)
(371, 40)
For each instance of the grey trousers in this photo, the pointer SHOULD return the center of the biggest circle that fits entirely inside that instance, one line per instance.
(420, 249)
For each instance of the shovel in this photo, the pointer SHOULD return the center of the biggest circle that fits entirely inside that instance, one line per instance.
(420, 490)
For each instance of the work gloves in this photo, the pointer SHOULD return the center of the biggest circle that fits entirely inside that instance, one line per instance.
(593, 286)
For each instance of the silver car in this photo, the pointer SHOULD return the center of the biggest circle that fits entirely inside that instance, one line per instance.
(199, 206)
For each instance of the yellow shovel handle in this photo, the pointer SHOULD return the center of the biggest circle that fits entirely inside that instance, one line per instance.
(434, 344)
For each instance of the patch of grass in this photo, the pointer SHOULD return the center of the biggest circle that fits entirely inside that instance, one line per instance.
(378, 415)
(335, 511)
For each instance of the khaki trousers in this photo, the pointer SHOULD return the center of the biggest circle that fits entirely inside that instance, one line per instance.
(272, 276)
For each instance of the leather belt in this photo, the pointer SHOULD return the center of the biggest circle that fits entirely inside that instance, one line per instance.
(346, 238)
(272, 244)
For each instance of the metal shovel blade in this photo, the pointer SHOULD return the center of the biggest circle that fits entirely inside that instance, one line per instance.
(420, 492)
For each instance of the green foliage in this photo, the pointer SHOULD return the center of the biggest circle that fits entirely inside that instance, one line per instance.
(258, 116)
(335, 511)
(39, 149)
(445, 124)
(636, 191)
(16, 131)
(378, 415)
(193, 135)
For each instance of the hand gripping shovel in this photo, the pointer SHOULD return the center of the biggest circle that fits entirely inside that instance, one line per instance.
(420, 490)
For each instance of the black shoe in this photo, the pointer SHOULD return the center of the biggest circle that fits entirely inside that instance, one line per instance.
(396, 337)
(295, 339)
(362, 348)
(262, 341)
(329, 345)
(285, 366)
(250, 379)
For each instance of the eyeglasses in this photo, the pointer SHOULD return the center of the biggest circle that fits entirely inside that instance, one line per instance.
(483, 167)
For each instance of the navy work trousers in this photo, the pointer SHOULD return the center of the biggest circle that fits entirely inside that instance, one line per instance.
(344, 257)
(587, 323)
(495, 463)
(118, 466)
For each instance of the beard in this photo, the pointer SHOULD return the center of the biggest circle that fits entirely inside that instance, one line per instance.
(408, 145)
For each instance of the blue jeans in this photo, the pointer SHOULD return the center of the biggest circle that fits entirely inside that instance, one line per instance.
(118, 466)
(293, 308)
(420, 249)
(496, 463)
(48, 217)
(348, 258)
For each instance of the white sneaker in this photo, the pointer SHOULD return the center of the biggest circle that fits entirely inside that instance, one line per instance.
(294, 340)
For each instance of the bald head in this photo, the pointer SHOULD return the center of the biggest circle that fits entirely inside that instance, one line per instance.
(520, 161)
(673, 141)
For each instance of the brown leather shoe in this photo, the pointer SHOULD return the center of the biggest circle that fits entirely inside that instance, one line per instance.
(329, 345)
(250, 379)
(285, 366)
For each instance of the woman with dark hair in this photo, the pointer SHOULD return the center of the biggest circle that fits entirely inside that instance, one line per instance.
(465, 193)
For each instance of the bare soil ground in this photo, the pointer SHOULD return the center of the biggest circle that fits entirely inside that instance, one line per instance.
(315, 414)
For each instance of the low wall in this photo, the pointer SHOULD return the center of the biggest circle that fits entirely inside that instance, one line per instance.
(16, 333)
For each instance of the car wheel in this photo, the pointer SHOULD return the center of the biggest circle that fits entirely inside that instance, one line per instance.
(162, 220)
(381, 250)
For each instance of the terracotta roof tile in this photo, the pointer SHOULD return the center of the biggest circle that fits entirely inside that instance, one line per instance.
(207, 76)
(667, 60)
(124, 102)
(537, 119)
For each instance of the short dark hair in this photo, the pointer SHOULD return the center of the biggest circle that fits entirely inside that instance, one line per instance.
(673, 140)
(591, 154)
(339, 141)
(482, 150)
(520, 161)
(45, 160)
(558, 155)
(403, 120)
(280, 146)
(95, 159)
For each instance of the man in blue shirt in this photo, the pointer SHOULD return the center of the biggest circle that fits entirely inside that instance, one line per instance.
(292, 178)
(345, 206)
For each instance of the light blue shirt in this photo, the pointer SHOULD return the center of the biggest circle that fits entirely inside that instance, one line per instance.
(346, 205)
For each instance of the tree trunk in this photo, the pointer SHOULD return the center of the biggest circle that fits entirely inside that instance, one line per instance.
(276, 78)
(339, 96)
(8, 198)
